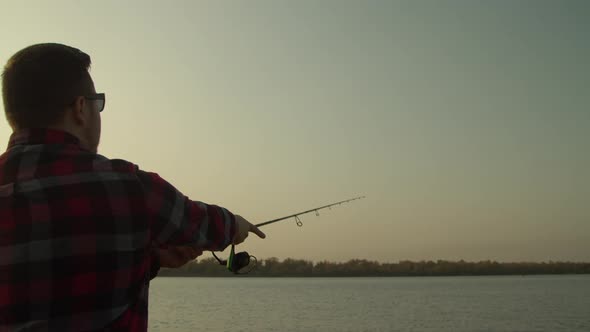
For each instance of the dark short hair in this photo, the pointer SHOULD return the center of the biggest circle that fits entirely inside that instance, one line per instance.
(40, 81)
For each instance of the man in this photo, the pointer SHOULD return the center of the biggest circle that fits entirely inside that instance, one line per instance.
(78, 230)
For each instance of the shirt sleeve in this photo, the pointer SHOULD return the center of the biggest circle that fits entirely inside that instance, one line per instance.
(155, 264)
(177, 220)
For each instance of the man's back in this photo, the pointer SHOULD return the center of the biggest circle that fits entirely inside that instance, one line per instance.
(73, 235)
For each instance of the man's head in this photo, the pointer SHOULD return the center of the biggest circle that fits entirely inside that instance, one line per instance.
(48, 86)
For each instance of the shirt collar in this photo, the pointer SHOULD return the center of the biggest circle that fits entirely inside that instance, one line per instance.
(41, 136)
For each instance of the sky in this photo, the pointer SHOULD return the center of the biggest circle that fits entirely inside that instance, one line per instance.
(464, 123)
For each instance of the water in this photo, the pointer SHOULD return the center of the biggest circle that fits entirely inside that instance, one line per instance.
(511, 303)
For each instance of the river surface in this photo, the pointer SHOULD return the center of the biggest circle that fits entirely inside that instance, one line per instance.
(497, 303)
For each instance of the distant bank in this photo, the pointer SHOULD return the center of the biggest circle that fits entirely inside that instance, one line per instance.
(273, 267)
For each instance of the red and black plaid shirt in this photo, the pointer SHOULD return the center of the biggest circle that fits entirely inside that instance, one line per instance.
(76, 232)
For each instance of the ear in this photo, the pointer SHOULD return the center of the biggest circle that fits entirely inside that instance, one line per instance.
(78, 111)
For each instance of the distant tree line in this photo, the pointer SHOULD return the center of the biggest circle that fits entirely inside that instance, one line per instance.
(273, 267)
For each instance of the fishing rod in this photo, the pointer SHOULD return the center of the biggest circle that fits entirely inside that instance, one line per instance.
(238, 261)
(296, 215)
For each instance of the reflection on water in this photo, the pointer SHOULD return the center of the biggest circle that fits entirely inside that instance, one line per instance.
(536, 303)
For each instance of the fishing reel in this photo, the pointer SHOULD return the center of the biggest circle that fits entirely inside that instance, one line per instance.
(236, 262)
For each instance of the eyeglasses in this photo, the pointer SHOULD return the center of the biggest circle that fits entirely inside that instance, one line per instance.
(100, 97)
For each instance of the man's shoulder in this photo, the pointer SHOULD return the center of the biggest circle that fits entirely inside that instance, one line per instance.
(102, 163)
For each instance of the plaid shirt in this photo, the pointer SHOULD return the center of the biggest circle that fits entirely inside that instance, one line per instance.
(77, 231)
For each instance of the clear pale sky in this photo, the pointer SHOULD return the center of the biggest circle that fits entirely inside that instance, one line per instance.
(465, 123)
